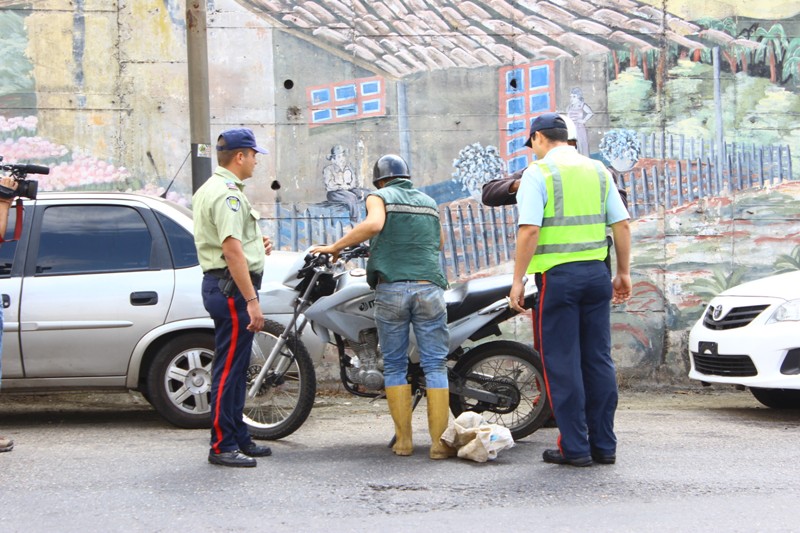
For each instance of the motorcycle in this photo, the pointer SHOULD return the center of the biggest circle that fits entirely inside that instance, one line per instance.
(501, 379)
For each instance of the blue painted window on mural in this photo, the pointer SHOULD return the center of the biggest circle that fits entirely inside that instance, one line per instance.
(346, 100)
(516, 126)
(517, 163)
(371, 87)
(540, 103)
(516, 144)
(515, 106)
(539, 77)
(322, 96)
(322, 115)
(371, 106)
(346, 92)
(514, 81)
(346, 111)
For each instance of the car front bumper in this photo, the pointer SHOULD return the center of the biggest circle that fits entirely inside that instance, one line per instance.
(756, 355)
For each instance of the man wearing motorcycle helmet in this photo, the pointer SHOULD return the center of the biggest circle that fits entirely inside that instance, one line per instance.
(405, 235)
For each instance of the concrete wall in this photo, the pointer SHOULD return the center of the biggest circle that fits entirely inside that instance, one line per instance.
(98, 91)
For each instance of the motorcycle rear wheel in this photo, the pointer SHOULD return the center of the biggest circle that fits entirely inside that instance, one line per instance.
(283, 403)
(509, 368)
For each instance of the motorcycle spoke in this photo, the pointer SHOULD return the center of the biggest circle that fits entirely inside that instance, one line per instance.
(492, 373)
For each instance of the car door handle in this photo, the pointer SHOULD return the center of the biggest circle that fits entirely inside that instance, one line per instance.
(6, 301)
(144, 298)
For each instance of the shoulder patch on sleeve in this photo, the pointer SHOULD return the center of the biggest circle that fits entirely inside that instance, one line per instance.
(231, 185)
(233, 203)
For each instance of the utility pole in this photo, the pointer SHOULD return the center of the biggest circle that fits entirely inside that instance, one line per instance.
(199, 107)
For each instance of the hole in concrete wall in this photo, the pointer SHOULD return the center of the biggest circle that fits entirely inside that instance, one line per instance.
(294, 113)
(288, 84)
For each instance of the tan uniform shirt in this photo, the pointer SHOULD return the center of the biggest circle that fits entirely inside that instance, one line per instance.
(221, 210)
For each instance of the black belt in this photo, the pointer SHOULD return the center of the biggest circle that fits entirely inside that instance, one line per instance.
(223, 273)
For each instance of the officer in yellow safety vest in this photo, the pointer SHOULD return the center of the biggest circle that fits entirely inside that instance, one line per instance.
(565, 201)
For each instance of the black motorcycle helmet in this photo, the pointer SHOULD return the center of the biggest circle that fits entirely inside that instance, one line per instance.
(390, 166)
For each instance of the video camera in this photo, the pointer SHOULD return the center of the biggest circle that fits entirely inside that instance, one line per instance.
(25, 187)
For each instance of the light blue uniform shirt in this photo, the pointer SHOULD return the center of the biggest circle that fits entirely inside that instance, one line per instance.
(532, 192)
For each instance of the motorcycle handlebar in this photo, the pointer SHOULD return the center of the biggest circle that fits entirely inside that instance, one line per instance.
(324, 260)
(355, 252)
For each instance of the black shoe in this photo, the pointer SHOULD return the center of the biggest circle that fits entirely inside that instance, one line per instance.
(235, 459)
(555, 457)
(254, 450)
(604, 458)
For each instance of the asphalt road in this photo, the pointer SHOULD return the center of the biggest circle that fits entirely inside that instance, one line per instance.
(702, 461)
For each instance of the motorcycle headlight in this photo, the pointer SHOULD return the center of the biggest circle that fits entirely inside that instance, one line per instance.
(788, 312)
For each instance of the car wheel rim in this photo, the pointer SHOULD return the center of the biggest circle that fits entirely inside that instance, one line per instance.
(188, 380)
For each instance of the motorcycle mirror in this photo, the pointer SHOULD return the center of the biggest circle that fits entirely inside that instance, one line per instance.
(275, 185)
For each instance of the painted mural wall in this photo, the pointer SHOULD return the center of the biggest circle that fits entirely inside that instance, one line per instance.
(696, 104)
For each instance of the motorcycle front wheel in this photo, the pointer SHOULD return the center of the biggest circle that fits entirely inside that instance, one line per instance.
(287, 393)
(510, 370)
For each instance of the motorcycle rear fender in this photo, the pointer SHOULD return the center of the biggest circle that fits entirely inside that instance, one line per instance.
(463, 328)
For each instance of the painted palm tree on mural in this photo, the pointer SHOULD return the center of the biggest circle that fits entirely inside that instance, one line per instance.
(791, 62)
(718, 282)
(772, 44)
(788, 262)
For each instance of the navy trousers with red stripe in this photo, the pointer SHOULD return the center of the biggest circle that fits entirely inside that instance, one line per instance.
(233, 344)
(572, 328)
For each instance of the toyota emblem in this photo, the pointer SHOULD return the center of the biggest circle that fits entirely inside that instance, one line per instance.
(717, 314)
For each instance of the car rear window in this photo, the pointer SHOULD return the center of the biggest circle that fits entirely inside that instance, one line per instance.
(79, 239)
(181, 242)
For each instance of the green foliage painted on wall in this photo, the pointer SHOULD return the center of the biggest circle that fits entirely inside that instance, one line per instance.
(631, 100)
(690, 99)
(788, 262)
(739, 98)
(718, 282)
(15, 67)
(773, 118)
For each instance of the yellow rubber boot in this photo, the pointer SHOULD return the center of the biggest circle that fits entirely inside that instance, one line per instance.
(438, 417)
(399, 398)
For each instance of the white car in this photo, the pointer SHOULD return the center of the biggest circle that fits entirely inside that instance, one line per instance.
(749, 336)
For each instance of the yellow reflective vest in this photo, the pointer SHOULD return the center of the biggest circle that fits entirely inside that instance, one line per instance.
(574, 223)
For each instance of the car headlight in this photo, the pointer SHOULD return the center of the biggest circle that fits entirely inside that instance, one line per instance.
(788, 312)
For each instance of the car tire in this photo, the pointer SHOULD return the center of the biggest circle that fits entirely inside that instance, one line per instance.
(777, 398)
(179, 380)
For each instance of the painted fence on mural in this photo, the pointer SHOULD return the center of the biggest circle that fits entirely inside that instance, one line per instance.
(479, 237)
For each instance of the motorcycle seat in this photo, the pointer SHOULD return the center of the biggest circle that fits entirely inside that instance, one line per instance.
(475, 294)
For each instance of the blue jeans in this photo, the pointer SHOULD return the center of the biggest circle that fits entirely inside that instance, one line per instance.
(403, 304)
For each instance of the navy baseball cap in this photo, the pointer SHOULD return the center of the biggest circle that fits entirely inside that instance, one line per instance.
(547, 121)
(240, 138)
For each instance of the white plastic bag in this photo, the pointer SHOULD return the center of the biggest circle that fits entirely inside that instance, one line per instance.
(475, 439)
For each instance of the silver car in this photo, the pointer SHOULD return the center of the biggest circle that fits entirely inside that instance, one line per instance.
(102, 291)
